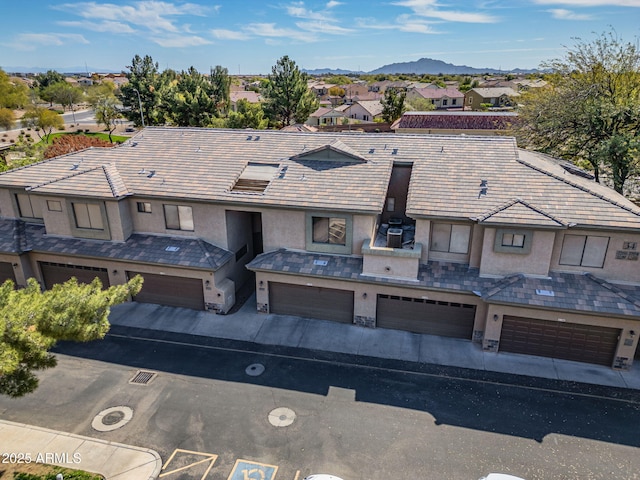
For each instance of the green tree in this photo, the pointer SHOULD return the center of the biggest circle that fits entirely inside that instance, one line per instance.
(590, 111)
(32, 321)
(7, 118)
(42, 119)
(247, 115)
(43, 80)
(107, 113)
(393, 104)
(287, 96)
(420, 104)
(63, 93)
(12, 95)
(188, 101)
(143, 89)
(220, 89)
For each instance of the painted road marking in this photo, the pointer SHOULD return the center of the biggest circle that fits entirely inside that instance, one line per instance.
(208, 457)
(248, 470)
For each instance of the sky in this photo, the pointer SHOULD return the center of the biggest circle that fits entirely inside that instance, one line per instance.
(249, 36)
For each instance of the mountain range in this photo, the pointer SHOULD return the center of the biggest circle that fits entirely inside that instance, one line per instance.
(422, 67)
(419, 67)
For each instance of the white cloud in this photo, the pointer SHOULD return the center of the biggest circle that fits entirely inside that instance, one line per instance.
(323, 27)
(106, 26)
(180, 41)
(223, 34)
(271, 31)
(562, 14)
(155, 16)
(403, 23)
(332, 4)
(591, 3)
(431, 9)
(31, 41)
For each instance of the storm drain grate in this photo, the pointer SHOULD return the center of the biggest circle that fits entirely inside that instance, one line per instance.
(143, 377)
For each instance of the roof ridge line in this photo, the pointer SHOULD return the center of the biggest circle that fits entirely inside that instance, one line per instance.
(576, 185)
(75, 174)
(512, 202)
(609, 286)
(106, 169)
(502, 284)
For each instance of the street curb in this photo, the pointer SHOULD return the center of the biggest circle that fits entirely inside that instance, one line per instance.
(54, 433)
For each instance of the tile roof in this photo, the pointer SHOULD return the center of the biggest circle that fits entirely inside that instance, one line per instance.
(435, 93)
(13, 237)
(564, 291)
(519, 212)
(374, 107)
(458, 120)
(203, 165)
(581, 292)
(495, 92)
(152, 249)
(448, 183)
(101, 181)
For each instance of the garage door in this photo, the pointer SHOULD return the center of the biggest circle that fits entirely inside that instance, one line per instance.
(312, 302)
(569, 341)
(6, 272)
(53, 273)
(426, 316)
(170, 290)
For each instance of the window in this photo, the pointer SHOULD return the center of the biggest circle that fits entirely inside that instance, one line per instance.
(178, 217)
(88, 215)
(454, 101)
(241, 252)
(391, 204)
(444, 102)
(513, 240)
(144, 207)
(54, 205)
(27, 207)
(584, 250)
(446, 237)
(470, 100)
(331, 230)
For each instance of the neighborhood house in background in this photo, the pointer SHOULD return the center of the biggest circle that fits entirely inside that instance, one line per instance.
(468, 237)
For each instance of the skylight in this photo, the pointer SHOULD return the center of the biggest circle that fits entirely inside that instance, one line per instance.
(255, 177)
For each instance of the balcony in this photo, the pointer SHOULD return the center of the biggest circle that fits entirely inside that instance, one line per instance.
(393, 253)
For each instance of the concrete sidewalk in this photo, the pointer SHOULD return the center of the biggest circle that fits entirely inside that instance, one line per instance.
(114, 461)
(270, 329)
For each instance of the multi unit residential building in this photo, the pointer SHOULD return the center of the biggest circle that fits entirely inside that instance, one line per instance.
(461, 236)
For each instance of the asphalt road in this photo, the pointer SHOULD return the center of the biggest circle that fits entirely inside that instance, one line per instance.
(355, 417)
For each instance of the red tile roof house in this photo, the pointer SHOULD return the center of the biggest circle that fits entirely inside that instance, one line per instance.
(455, 123)
(462, 236)
(441, 98)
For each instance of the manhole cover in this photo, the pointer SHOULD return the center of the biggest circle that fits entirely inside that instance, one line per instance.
(282, 417)
(143, 377)
(112, 418)
(255, 369)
